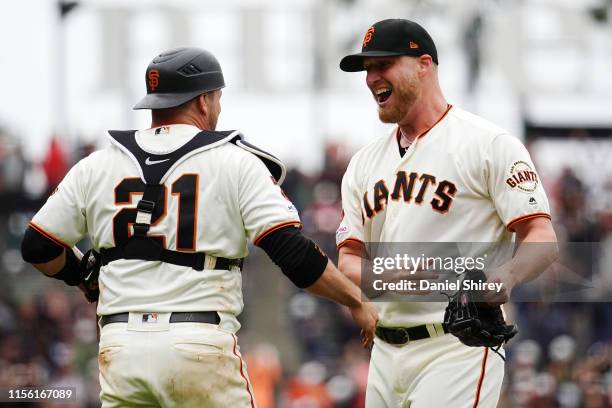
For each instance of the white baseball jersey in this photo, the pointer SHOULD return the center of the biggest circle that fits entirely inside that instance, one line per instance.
(214, 202)
(465, 180)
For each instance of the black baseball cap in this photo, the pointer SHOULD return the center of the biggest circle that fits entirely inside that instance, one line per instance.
(392, 37)
(178, 75)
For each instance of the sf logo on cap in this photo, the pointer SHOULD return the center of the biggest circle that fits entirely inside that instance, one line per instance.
(368, 36)
(153, 79)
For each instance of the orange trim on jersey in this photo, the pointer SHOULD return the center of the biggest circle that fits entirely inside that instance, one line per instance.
(398, 132)
(274, 228)
(482, 375)
(438, 121)
(349, 240)
(49, 235)
(525, 218)
(241, 372)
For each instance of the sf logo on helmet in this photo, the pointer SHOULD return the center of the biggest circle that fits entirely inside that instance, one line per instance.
(153, 77)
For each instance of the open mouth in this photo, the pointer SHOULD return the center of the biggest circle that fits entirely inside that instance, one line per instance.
(382, 95)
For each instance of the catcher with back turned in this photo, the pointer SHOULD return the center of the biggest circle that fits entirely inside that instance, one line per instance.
(442, 175)
(170, 210)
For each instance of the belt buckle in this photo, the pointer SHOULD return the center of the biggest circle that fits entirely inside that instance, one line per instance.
(405, 336)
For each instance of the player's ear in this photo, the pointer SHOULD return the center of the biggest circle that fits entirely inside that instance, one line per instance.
(425, 64)
(201, 105)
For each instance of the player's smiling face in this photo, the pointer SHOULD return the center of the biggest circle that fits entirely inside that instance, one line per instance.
(395, 85)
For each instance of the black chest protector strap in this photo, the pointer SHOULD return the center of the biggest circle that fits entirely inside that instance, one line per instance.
(154, 170)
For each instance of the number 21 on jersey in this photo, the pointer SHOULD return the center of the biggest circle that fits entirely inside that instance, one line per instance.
(185, 188)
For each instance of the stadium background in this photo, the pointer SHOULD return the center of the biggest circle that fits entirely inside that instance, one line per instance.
(540, 68)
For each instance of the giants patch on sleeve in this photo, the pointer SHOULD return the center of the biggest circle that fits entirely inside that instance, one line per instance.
(522, 177)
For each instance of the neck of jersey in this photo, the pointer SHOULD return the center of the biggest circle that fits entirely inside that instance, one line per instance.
(403, 143)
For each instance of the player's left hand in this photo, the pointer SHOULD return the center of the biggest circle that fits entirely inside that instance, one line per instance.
(473, 322)
(502, 275)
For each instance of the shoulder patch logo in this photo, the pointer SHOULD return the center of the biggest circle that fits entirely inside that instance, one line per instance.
(522, 177)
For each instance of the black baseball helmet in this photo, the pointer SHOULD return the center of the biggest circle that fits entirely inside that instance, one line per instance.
(179, 75)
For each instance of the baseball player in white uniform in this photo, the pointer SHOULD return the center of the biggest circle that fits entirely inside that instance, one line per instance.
(442, 175)
(170, 210)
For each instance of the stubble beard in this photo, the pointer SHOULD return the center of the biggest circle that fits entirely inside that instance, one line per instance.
(405, 95)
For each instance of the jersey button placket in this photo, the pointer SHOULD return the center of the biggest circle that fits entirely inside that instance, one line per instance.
(391, 208)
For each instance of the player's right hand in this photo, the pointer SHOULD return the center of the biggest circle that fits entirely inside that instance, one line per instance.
(366, 316)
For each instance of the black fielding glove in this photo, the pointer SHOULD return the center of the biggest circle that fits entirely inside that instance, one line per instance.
(476, 324)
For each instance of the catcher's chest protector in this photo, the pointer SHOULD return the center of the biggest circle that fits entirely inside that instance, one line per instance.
(154, 170)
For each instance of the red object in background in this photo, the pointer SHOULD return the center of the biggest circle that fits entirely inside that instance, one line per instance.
(265, 372)
(55, 163)
(300, 394)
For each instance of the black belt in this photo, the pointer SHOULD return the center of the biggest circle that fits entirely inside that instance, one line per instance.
(402, 335)
(175, 317)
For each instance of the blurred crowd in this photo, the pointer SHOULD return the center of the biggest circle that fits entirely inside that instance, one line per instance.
(562, 357)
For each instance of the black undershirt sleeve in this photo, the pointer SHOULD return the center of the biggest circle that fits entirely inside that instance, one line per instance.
(298, 257)
(36, 248)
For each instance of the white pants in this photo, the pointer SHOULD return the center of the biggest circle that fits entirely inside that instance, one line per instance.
(439, 372)
(162, 364)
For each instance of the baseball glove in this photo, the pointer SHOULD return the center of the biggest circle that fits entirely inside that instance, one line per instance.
(476, 323)
(89, 268)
